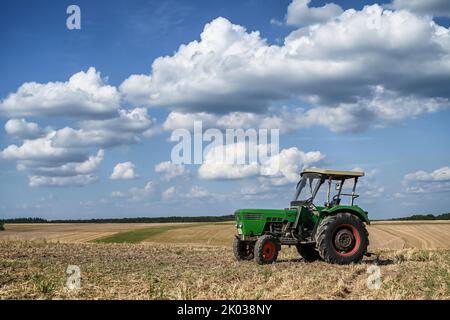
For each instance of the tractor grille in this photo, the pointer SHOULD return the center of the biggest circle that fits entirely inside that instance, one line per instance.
(275, 219)
(252, 216)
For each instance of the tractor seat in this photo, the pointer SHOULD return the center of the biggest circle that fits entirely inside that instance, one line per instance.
(335, 202)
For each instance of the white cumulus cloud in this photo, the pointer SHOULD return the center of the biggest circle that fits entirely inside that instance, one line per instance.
(126, 128)
(426, 182)
(170, 170)
(300, 13)
(197, 192)
(284, 168)
(437, 8)
(221, 162)
(441, 174)
(49, 165)
(169, 193)
(49, 152)
(145, 193)
(42, 149)
(85, 94)
(22, 129)
(124, 171)
(77, 180)
(364, 67)
(66, 169)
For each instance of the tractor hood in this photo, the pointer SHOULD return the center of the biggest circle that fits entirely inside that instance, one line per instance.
(257, 214)
(251, 222)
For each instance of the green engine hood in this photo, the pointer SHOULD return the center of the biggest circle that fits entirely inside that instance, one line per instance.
(251, 222)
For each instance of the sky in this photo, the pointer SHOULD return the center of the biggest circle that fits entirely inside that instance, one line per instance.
(87, 115)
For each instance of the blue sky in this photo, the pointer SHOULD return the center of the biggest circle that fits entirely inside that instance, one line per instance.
(374, 98)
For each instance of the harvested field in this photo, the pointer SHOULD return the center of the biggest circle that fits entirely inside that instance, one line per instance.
(69, 232)
(421, 235)
(139, 235)
(37, 270)
(205, 234)
(383, 234)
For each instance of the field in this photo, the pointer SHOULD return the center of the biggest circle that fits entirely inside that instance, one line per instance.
(383, 234)
(70, 232)
(195, 261)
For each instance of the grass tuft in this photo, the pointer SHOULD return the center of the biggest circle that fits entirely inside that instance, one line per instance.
(42, 284)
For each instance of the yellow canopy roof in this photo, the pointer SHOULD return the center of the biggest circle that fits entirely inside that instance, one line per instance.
(334, 174)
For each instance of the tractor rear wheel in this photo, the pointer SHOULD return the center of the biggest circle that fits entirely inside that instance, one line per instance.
(243, 250)
(308, 252)
(266, 249)
(342, 238)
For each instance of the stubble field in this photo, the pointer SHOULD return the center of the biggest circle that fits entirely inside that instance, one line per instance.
(195, 261)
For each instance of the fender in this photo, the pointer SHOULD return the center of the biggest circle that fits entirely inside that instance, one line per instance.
(357, 211)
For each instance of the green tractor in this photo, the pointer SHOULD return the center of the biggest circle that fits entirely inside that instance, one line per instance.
(333, 232)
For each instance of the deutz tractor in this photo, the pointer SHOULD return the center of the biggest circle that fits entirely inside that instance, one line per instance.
(334, 232)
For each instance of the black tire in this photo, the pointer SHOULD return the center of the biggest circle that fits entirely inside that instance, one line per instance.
(266, 249)
(243, 250)
(342, 238)
(308, 252)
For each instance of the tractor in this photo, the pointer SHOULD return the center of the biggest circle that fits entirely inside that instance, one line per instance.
(334, 232)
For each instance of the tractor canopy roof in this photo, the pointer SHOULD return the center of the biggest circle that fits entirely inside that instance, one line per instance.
(334, 174)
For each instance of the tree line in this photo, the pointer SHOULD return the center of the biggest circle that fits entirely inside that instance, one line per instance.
(125, 220)
(444, 216)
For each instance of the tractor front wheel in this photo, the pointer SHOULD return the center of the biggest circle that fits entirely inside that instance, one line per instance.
(243, 250)
(342, 238)
(308, 252)
(266, 249)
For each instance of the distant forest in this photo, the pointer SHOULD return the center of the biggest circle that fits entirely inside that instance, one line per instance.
(444, 216)
(125, 220)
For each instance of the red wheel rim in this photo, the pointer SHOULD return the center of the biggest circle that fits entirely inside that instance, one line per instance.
(356, 238)
(268, 250)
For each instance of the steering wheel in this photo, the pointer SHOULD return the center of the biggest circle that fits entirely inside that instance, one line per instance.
(310, 204)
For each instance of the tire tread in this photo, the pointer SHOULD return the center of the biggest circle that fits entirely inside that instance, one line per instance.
(322, 242)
